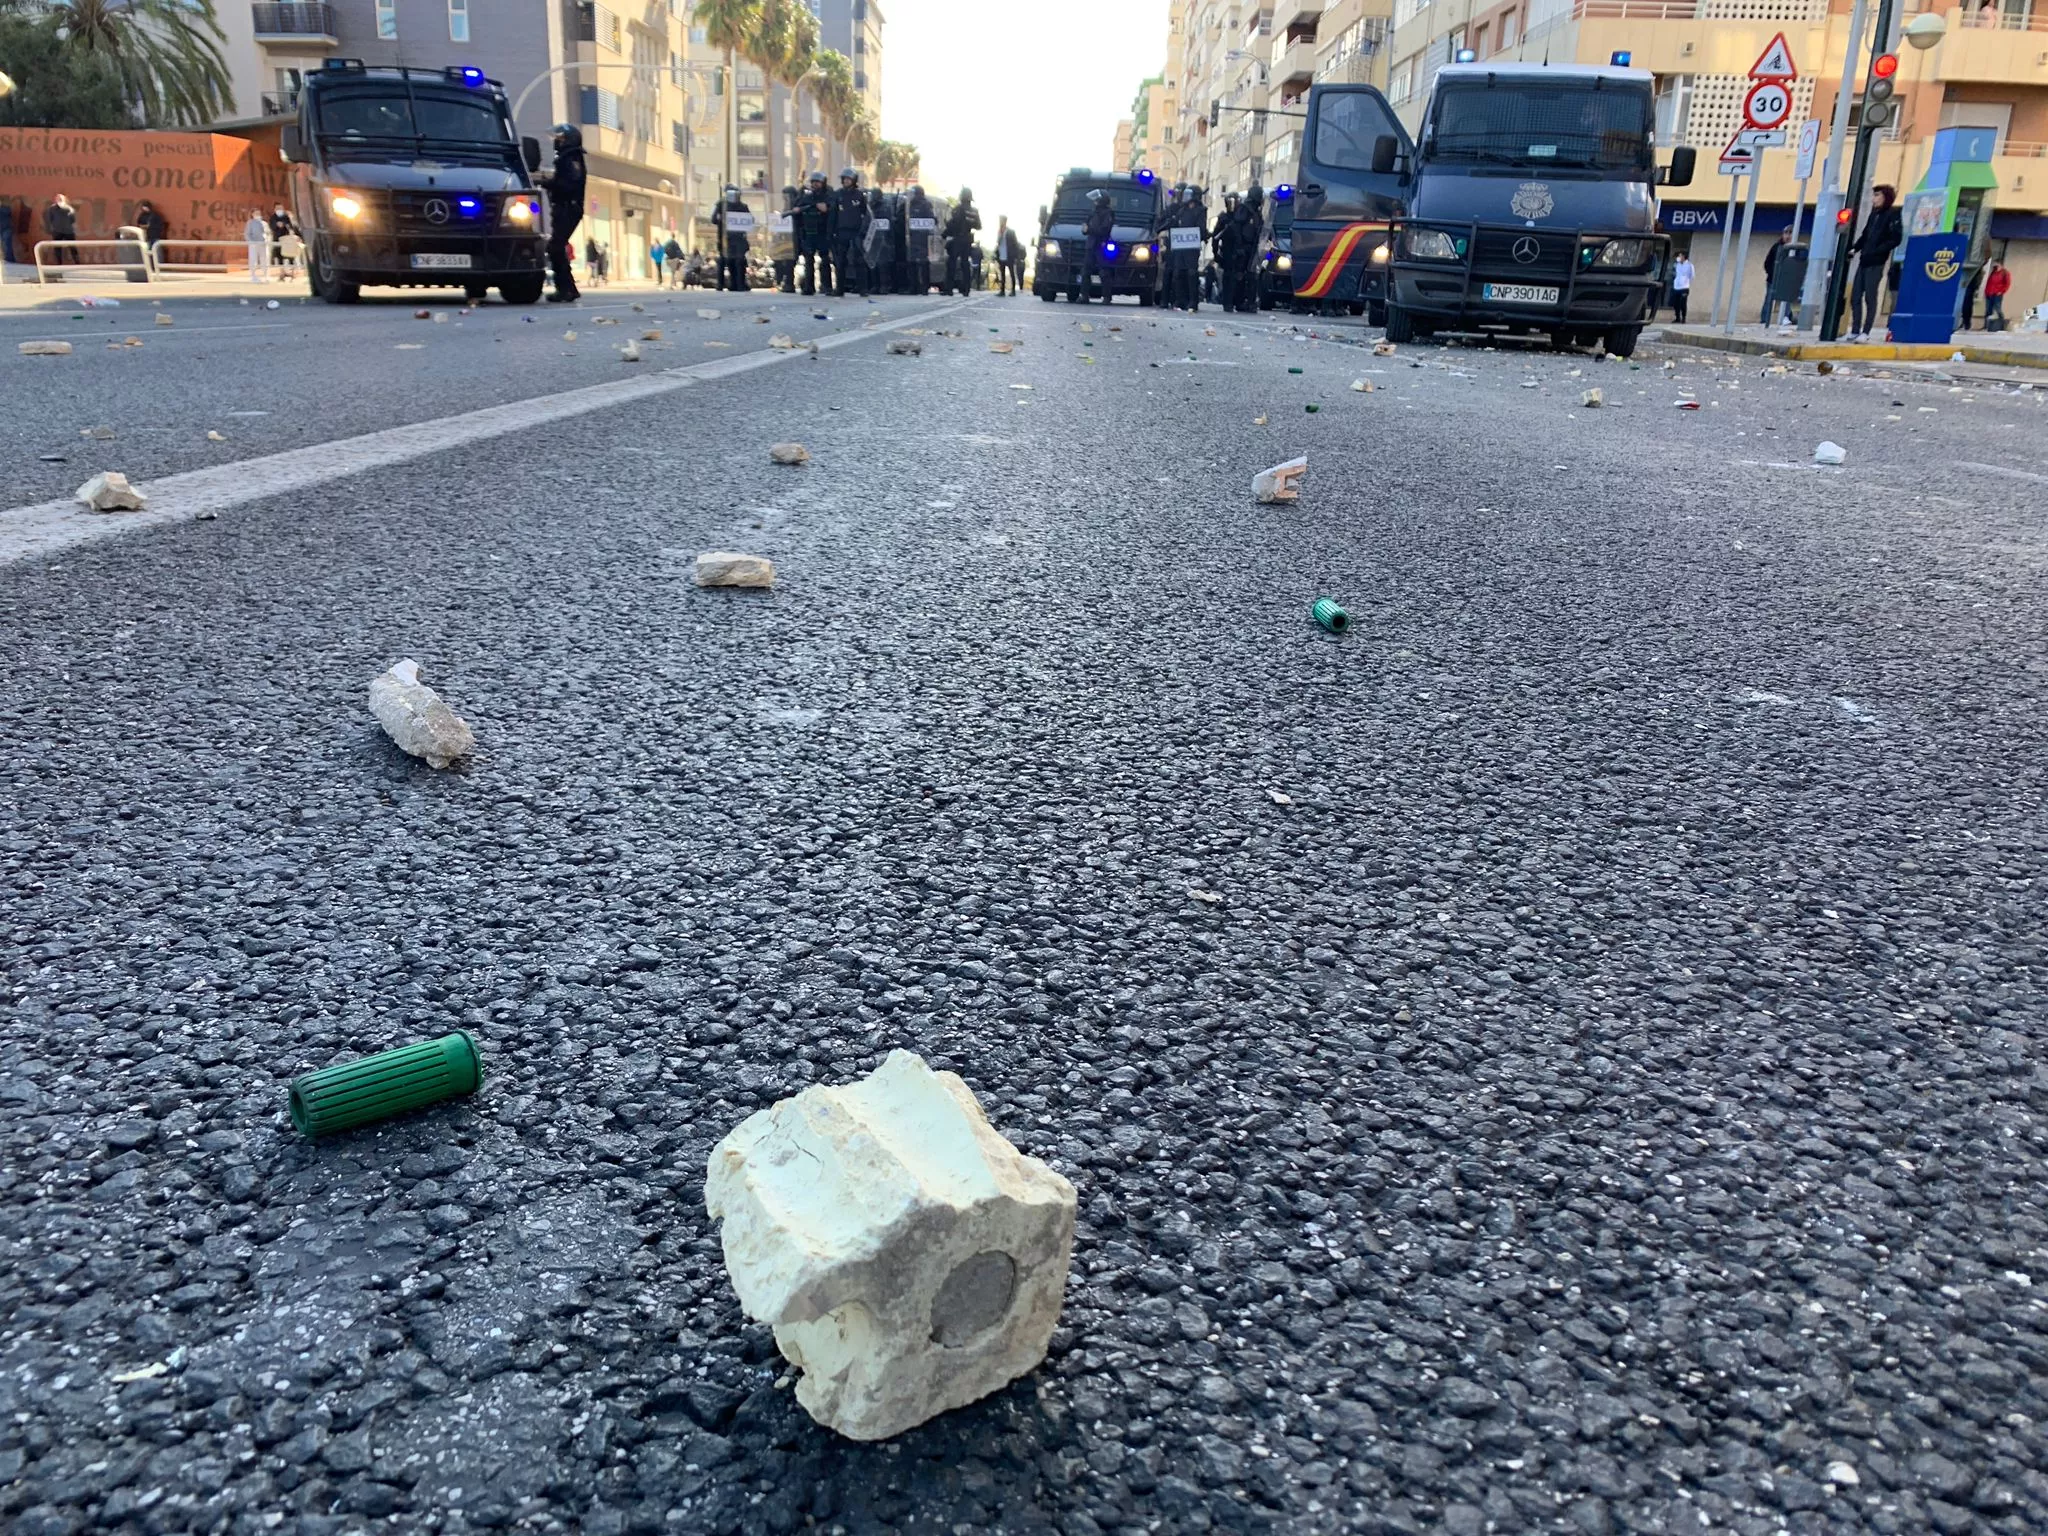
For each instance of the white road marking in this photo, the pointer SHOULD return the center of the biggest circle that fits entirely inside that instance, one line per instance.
(2000, 469)
(151, 331)
(31, 532)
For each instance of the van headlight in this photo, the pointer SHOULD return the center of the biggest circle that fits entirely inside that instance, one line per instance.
(1141, 253)
(1284, 263)
(1623, 253)
(1050, 248)
(522, 212)
(345, 207)
(1428, 245)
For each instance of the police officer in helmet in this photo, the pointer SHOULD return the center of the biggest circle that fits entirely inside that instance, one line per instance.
(733, 244)
(961, 226)
(814, 233)
(565, 184)
(849, 232)
(921, 218)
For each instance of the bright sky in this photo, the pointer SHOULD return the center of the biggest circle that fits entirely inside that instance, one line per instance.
(1002, 97)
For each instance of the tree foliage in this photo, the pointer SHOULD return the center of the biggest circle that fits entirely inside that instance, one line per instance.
(166, 54)
(55, 86)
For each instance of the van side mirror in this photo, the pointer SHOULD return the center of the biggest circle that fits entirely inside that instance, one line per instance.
(1385, 150)
(291, 144)
(1684, 160)
(529, 151)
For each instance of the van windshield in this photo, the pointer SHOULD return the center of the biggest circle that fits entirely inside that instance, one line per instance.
(433, 116)
(1133, 205)
(1523, 123)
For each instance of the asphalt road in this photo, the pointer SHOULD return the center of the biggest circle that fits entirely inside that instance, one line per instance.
(1597, 1087)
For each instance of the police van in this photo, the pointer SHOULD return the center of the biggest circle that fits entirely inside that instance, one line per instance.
(414, 178)
(1527, 204)
(1129, 257)
(1276, 250)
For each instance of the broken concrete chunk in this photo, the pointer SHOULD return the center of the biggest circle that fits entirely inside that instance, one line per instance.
(109, 491)
(909, 1258)
(726, 568)
(782, 343)
(1001, 346)
(416, 717)
(630, 352)
(1592, 399)
(165, 320)
(1282, 482)
(906, 349)
(788, 453)
(44, 349)
(1383, 349)
(708, 314)
(1830, 453)
(649, 335)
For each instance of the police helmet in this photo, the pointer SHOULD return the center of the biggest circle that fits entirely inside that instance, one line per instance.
(917, 191)
(967, 194)
(732, 191)
(1096, 194)
(1256, 193)
(816, 178)
(568, 136)
(849, 174)
(1230, 199)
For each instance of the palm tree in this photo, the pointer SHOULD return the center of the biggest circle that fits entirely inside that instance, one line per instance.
(863, 143)
(165, 53)
(895, 161)
(732, 26)
(786, 40)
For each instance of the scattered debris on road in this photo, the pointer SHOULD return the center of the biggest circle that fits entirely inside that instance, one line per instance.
(1830, 453)
(109, 491)
(1327, 613)
(788, 453)
(44, 349)
(372, 1088)
(1592, 400)
(1282, 482)
(416, 718)
(906, 349)
(728, 568)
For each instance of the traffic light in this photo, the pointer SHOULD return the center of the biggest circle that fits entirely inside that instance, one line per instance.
(1844, 218)
(1880, 99)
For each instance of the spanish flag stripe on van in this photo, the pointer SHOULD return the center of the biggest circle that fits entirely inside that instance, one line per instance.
(1339, 252)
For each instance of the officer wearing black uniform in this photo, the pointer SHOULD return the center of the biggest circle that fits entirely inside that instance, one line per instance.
(782, 242)
(849, 229)
(921, 220)
(1253, 212)
(961, 227)
(1228, 240)
(732, 243)
(565, 208)
(1194, 214)
(1101, 226)
(880, 242)
(814, 233)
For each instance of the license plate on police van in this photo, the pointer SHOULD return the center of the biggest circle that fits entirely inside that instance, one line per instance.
(428, 259)
(1517, 293)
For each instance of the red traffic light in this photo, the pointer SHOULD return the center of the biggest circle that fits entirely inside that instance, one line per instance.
(1845, 215)
(1884, 66)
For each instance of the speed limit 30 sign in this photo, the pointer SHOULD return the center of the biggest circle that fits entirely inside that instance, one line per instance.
(1768, 105)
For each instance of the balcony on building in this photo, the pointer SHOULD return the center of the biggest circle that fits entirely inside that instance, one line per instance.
(1290, 16)
(1294, 60)
(294, 24)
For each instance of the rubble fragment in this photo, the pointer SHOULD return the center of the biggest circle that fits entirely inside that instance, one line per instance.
(728, 568)
(1592, 400)
(1830, 453)
(1282, 482)
(109, 491)
(165, 320)
(909, 1258)
(416, 718)
(906, 349)
(44, 349)
(788, 453)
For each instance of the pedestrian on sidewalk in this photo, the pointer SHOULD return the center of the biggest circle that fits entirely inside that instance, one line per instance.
(1771, 260)
(1681, 286)
(1997, 284)
(1009, 256)
(6, 230)
(673, 250)
(1873, 250)
(256, 233)
(657, 253)
(60, 221)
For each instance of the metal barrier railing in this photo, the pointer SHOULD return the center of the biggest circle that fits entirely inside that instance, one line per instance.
(127, 269)
(222, 267)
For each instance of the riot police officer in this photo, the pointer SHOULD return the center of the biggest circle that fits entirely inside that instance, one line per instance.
(879, 243)
(1228, 240)
(1095, 233)
(1252, 212)
(732, 242)
(849, 227)
(961, 227)
(782, 242)
(565, 208)
(1186, 253)
(814, 233)
(920, 220)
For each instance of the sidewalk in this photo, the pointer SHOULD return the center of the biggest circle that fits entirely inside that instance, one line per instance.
(21, 291)
(2011, 349)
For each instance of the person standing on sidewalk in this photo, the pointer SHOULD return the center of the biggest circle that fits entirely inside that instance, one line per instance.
(1681, 287)
(1873, 249)
(256, 233)
(1771, 259)
(1997, 284)
(60, 220)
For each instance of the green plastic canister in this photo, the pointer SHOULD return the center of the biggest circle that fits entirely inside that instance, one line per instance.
(1330, 616)
(340, 1098)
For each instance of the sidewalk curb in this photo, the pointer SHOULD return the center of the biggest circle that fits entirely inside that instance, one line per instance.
(1841, 352)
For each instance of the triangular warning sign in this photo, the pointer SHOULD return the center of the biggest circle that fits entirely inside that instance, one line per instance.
(1775, 62)
(1739, 151)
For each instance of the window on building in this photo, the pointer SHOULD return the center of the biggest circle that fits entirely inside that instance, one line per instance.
(599, 107)
(1674, 108)
(458, 21)
(1401, 82)
(387, 19)
(1507, 29)
(697, 36)
(679, 138)
(860, 79)
(1479, 41)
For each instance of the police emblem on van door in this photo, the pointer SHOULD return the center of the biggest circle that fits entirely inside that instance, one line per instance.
(1532, 201)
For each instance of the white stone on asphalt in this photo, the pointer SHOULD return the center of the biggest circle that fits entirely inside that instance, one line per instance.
(417, 718)
(788, 453)
(1830, 453)
(909, 1258)
(728, 568)
(44, 349)
(109, 491)
(1282, 482)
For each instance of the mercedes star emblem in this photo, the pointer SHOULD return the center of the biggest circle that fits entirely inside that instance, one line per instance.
(1527, 250)
(436, 210)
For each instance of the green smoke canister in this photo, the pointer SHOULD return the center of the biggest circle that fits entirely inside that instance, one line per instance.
(355, 1093)
(1330, 616)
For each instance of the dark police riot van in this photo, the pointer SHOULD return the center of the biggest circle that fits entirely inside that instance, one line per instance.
(1527, 206)
(1531, 205)
(1130, 257)
(413, 178)
(1276, 249)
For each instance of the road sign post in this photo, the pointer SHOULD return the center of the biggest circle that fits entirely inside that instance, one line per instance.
(1829, 200)
(1765, 111)
(1742, 250)
(1727, 233)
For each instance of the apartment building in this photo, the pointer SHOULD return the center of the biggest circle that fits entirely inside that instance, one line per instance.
(1238, 74)
(1990, 70)
(1121, 149)
(854, 28)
